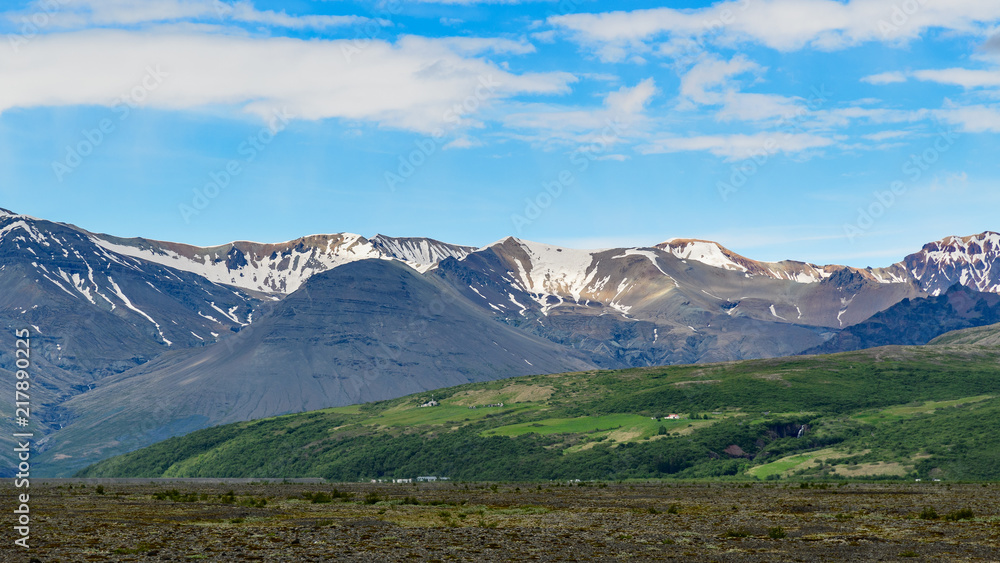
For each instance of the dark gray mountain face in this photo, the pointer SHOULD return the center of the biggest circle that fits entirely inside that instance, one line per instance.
(93, 313)
(917, 321)
(136, 340)
(365, 331)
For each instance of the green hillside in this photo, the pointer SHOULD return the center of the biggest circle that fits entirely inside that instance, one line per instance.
(980, 336)
(896, 412)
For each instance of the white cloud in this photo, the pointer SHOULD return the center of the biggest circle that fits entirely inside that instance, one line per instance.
(474, 2)
(632, 101)
(700, 82)
(784, 25)
(845, 116)
(951, 182)
(417, 83)
(462, 143)
(885, 135)
(545, 36)
(90, 13)
(885, 78)
(735, 147)
(244, 12)
(711, 82)
(744, 106)
(963, 77)
(478, 45)
(623, 112)
(615, 157)
(972, 119)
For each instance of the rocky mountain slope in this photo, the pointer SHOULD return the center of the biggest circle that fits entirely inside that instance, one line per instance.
(971, 261)
(681, 302)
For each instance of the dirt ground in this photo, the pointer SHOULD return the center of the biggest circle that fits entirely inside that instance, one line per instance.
(184, 521)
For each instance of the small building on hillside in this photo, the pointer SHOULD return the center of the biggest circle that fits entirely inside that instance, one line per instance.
(673, 417)
(431, 403)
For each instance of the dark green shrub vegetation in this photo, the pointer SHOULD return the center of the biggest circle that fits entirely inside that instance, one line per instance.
(317, 498)
(928, 513)
(960, 514)
(176, 496)
(738, 532)
(253, 502)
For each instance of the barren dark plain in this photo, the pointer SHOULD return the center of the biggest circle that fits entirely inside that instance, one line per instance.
(105, 520)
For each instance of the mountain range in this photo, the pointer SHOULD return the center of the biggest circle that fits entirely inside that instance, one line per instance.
(135, 340)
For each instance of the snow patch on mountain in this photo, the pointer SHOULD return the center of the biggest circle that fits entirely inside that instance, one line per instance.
(652, 258)
(128, 303)
(552, 271)
(421, 254)
(23, 225)
(706, 252)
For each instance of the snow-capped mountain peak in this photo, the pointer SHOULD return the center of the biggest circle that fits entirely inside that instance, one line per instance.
(268, 268)
(706, 252)
(555, 270)
(973, 261)
(281, 268)
(548, 272)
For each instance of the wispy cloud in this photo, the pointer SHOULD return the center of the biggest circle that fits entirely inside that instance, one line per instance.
(785, 25)
(713, 82)
(966, 78)
(973, 119)
(103, 13)
(892, 77)
(623, 111)
(886, 135)
(701, 84)
(737, 146)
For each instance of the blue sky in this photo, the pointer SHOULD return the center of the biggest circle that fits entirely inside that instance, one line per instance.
(834, 132)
